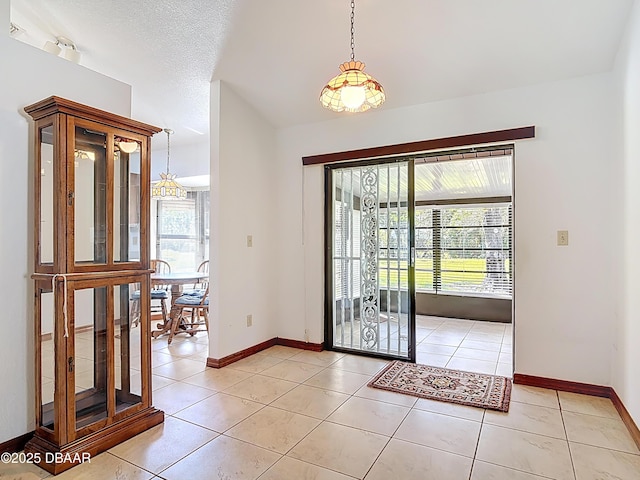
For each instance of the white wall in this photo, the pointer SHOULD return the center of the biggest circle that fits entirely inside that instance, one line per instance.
(5, 16)
(564, 310)
(31, 75)
(185, 160)
(243, 180)
(626, 354)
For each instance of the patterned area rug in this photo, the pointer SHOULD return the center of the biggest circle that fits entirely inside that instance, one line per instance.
(456, 386)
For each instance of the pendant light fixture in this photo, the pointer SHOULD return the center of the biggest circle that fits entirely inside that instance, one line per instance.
(352, 90)
(167, 187)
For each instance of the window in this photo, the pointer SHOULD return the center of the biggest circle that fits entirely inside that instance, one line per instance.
(393, 248)
(347, 251)
(182, 237)
(464, 249)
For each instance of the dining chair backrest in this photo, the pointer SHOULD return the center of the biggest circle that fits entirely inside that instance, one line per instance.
(203, 268)
(160, 266)
(205, 298)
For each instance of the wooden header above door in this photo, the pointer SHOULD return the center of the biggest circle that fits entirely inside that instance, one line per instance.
(511, 134)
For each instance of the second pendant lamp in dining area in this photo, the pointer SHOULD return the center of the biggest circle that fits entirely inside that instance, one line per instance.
(168, 187)
(352, 90)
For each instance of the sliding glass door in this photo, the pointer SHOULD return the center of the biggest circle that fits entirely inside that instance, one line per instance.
(370, 287)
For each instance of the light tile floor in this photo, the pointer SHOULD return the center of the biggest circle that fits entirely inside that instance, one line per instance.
(287, 414)
(475, 346)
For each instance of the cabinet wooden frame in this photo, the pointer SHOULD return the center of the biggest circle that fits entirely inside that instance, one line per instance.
(106, 409)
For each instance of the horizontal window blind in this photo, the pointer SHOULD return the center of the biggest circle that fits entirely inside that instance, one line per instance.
(346, 253)
(465, 249)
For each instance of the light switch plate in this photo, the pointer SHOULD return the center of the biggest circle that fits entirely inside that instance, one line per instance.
(249, 241)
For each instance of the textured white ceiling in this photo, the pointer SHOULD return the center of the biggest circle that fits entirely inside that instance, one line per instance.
(166, 50)
(277, 54)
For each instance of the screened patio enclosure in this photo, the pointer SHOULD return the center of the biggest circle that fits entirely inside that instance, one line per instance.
(464, 235)
(432, 233)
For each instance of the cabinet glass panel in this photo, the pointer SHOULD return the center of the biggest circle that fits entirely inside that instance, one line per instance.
(90, 191)
(46, 195)
(126, 200)
(90, 363)
(47, 359)
(127, 347)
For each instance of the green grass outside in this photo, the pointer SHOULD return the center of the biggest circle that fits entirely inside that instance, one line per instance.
(472, 272)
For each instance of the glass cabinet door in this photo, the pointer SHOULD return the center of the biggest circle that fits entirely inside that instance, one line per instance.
(90, 196)
(127, 347)
(126, 200)
(109, 354)
(89, 364)
(45, 165)
(45, 331)
(106, 198)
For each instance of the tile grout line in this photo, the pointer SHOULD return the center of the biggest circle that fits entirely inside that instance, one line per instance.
(566, 434)
(605, 448)
(170, 465)
(390, 437)
(377, 457)
(475, 453)
(527, 431)
(429, 447)
(108, 452)
(536, 475)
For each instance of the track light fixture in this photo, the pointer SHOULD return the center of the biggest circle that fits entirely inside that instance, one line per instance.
(71, 52)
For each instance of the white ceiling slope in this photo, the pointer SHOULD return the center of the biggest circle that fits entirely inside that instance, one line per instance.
(165, 49)
(277, 54)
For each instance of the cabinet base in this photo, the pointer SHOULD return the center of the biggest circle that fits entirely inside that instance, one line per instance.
(58, 458)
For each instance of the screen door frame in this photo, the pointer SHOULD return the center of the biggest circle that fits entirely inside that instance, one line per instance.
(410, 354)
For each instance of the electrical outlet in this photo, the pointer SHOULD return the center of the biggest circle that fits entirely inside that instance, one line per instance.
(249, 320)
(563, 238)
(306, 335)
(249, 241)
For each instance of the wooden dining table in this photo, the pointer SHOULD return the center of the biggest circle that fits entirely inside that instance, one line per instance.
(177, 281)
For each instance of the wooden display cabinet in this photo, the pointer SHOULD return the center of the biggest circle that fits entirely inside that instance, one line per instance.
(93, 367)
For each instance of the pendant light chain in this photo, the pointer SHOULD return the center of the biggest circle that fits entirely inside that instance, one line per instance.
(168, 187)
(169, 132)
(353, 42)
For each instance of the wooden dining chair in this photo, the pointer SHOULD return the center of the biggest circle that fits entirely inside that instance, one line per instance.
(204, 268)
(193, 314)
(201, 286)
(159, 294)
